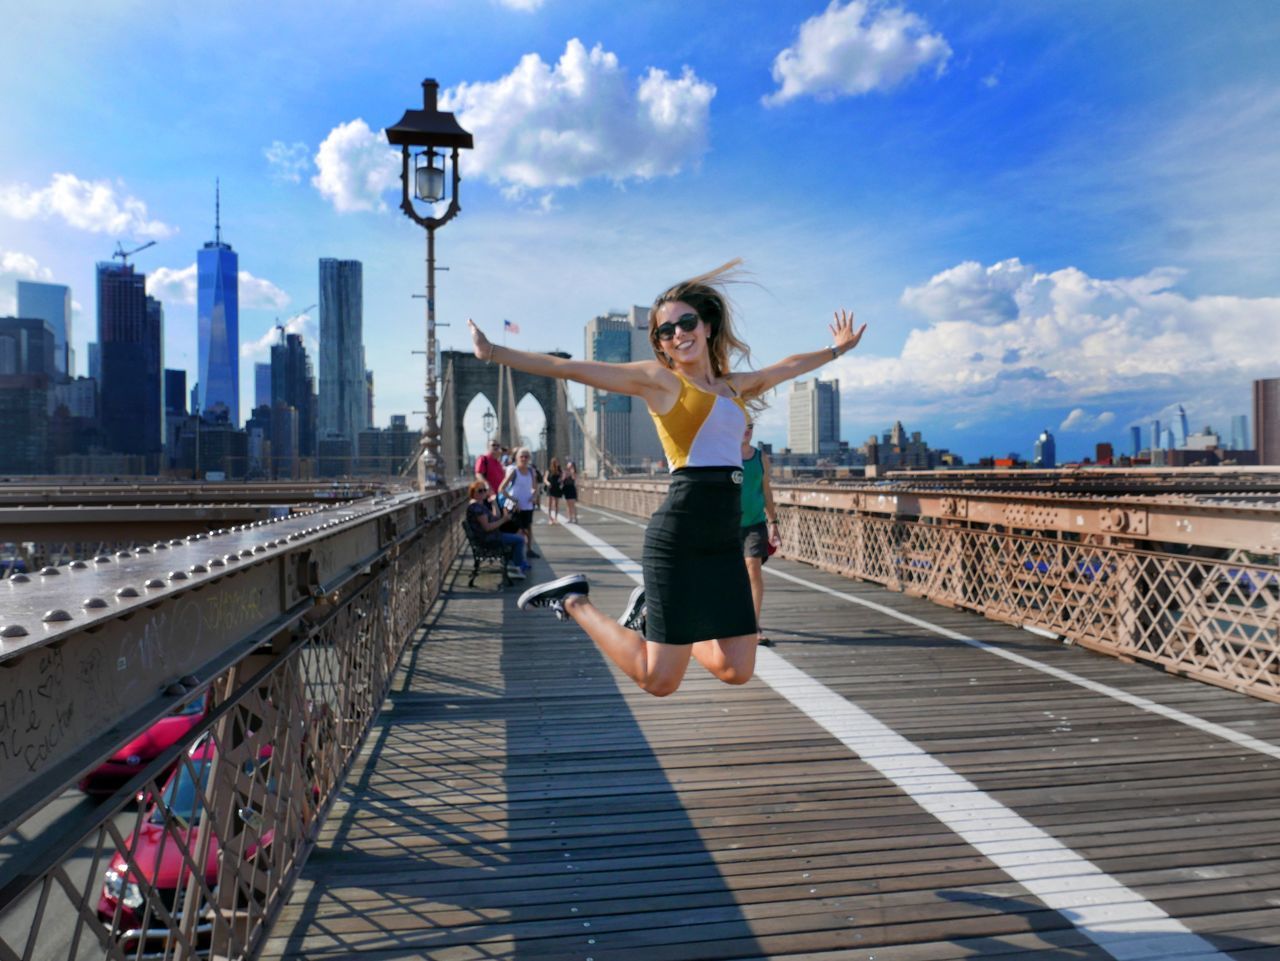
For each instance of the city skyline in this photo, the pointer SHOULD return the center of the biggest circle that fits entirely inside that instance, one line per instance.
(1049, 216)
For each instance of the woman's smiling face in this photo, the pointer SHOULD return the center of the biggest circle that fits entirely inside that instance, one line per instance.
(685, 346)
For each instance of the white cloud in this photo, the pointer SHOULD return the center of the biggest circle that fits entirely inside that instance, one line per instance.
(356, 167)
(178, 286)
(95, 206)
(288, 161)
(1081, 420)
(524, 6)
(260, 349)
(1008, 336)
(15, 266)
(853, 49)
(546, 126)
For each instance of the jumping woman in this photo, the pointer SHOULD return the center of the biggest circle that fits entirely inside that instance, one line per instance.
(696, 600)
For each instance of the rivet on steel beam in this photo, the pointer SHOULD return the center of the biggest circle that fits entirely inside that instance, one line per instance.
(78, 565)
(142, 550)
(19, 579)
(230, 558)
(189, 680)
(175, 690)
(57, 614)
(176, 542)
(93, 603)
(198, 569)
(123, 554)
(49, 571)
(160, 546)
(177, 575)
(246, 553)
(128, 592)
(13, 630)
(102, 559)
(216, 562)
(259, 549)
(154, 582)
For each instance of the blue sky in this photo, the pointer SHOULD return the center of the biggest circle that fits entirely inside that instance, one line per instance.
(1049, 214)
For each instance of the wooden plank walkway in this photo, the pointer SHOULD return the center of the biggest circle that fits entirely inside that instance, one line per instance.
(520, 799)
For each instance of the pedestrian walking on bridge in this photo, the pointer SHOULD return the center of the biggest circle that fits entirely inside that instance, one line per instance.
(696, 599)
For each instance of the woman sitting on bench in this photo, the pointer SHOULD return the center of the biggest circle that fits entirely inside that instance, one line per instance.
(485, 523)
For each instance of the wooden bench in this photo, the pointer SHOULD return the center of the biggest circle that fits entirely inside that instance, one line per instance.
(482, 552)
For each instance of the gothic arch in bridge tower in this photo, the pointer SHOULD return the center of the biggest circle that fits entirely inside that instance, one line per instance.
(467, 377)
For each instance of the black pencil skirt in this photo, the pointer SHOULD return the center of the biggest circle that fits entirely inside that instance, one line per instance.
(695, 581)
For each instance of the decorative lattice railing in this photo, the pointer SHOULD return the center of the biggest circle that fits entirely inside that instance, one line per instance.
(1191, 584)
(192, 852)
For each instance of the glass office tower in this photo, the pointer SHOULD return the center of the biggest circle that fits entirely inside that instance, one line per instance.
(343, 392)
(52, 304)
(218, 331)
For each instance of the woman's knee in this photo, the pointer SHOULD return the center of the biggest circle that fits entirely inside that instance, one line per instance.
(734, 674)
(661, 686)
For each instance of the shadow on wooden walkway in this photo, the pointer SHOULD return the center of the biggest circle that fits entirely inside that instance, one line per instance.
(519, 798)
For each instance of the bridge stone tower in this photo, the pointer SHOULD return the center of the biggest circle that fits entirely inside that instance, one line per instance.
(466, 376)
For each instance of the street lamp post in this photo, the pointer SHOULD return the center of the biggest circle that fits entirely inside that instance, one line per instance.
(489, 422)
(442, 137)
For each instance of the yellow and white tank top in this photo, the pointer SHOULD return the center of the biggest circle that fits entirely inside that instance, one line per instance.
(702, 429)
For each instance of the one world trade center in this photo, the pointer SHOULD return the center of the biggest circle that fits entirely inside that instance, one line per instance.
(218, 319)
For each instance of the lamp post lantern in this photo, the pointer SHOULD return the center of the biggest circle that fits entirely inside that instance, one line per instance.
(425, 171)
(489, 422)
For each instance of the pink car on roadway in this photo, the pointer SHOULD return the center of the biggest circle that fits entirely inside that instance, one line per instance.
(131, 758)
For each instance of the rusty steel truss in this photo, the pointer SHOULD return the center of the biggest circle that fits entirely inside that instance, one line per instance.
(1190, 582)
(283, 634)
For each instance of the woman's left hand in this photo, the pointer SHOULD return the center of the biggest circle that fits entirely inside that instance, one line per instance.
(846, 338)
(479, 342)
(775, 536)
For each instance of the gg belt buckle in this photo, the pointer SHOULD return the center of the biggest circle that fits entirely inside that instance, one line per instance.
(736, 477)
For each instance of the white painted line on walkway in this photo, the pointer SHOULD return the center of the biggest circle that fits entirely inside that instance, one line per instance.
(1115, 917)
(1134, 700)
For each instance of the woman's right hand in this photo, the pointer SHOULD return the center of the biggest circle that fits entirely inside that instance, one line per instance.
(480, 344)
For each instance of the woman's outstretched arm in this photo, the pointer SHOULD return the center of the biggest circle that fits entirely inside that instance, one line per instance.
(844, 339)
(645, 378)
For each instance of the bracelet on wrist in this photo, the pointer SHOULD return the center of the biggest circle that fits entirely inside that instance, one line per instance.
(835, 351)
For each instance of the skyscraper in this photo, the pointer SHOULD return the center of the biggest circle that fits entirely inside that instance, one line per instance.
(1266, 419)
(28, 345)
(343, 400)
(1240, 432)
(1180, 430)
(814, 423)
(131, 344)
(293, 385)
(1157, 439)
(218, 325)
(262, 385)
(52, 304)
(1135, 440)
(1046, 453)
(618, 424)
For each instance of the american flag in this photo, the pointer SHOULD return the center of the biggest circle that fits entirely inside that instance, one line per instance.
(510, 328)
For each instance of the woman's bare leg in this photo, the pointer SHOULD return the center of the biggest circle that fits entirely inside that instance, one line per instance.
(731, 659)
(553, 504)
(656, 668)
(755, 574)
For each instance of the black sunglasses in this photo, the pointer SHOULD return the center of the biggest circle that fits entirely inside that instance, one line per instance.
(685, 322)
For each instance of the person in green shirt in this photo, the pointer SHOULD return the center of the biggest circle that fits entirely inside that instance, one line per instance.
(759, 521)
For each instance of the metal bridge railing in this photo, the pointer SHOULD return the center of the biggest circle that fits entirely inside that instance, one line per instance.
(279, 639)
(1191, 583)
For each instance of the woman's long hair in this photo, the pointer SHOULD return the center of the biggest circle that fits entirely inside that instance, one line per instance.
(707, 294)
